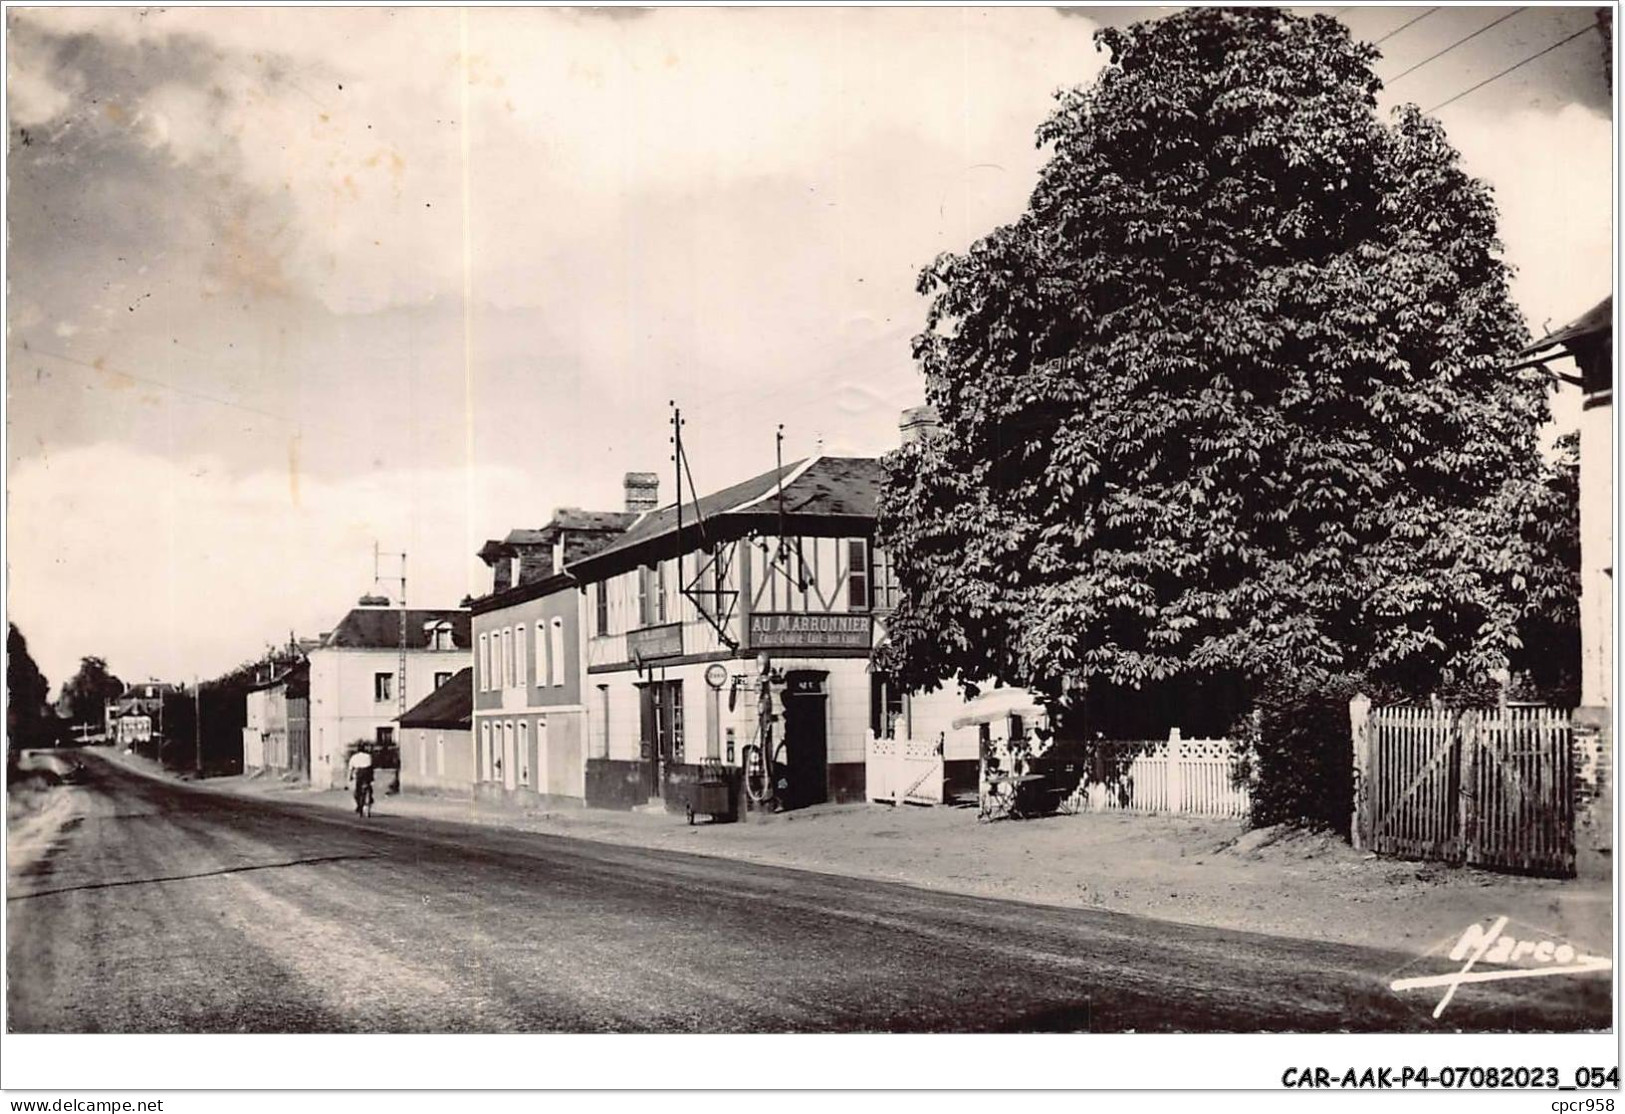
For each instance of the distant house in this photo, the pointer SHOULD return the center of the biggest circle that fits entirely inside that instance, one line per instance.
(436, 736)
(529, 717)
(355, 683)
(276, 734)
(137, 715)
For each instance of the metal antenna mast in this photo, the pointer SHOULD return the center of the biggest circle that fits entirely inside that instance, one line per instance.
(378, 578)
(715, 603)
(677, 467)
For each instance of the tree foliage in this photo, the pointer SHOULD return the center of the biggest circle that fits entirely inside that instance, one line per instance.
(1230, 398)
(29, 720)
(86, 693)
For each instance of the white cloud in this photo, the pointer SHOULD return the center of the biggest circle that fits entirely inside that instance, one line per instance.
(169, 566)
(1551, 172)
(32, 95)
(595, 137)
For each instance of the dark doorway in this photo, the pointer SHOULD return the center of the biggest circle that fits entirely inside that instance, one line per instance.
(660, 716)
(805, 771)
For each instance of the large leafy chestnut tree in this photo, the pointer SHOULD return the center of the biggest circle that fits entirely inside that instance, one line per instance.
(1230, 400)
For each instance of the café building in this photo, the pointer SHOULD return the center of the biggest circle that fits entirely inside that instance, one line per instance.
(770, 586)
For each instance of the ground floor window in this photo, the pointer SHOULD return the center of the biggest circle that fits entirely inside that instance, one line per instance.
(886, 707)
(661, 712)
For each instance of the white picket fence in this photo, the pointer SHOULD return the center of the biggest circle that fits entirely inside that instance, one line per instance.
(1188, 776)
(903, 770)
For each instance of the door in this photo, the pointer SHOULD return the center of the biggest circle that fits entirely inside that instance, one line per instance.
(806, 751)
(299, 735)
(649, 735)
(510, 767)
(660, 712)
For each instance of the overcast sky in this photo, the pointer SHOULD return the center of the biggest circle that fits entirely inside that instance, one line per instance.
(284, 283)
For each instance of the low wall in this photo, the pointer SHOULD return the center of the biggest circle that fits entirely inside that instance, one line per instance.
(679, 782)
(616, 783)
(848, 782)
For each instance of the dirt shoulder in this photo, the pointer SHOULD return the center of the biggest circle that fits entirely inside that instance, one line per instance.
(1278, 881)
(37, 807)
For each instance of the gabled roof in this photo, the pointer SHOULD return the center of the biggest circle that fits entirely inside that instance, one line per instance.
(148, 690)
(822, 487)
(521, 593)
(565, 518)
(295, 677)
(451, 705)
(1589, 339)
(379, 628)
(1598, 319)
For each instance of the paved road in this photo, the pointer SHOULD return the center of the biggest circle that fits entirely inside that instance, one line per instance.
(162, 907)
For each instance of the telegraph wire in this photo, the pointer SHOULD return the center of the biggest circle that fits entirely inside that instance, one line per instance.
(1496, 77)
(1404, 25)
(108, 369)
(1453, 46)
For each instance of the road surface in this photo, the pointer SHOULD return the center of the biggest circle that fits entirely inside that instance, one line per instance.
(163, 907)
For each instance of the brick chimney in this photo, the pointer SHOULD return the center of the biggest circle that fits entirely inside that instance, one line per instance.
(642, 491)
(919, 423)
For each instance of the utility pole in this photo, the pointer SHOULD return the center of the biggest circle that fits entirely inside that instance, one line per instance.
(379, 578)
(197, 724)
(677, 467)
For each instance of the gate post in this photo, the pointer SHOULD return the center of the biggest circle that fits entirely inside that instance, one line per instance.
(1591, 782)
(1467, 815)
(1176, 772)
(1360, 732)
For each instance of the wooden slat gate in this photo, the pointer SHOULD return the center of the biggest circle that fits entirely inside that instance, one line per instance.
(1484, 787)
(899, 770)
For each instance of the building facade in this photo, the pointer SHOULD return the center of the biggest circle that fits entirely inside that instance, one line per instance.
(355, 677)
(276, 731)
(529, 719)
(137, 715)
(772, 586)
(436, 739)
(1589, 342)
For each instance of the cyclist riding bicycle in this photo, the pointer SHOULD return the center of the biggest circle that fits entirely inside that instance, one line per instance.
(361, 771)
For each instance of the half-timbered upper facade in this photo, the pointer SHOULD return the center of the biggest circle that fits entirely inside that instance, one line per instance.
(681, 608)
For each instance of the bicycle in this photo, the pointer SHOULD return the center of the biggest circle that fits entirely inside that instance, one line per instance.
(363, 798)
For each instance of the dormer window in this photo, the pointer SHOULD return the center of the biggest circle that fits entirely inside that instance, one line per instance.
(440, 636)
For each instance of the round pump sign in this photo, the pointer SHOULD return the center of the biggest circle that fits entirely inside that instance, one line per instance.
(716, 674)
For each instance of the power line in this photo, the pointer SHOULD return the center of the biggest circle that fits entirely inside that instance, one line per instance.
(1496, 77)
(106, 368)
(1454, 45)
(1404, 25)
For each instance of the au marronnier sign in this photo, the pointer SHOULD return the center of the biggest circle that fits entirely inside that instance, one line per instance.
(778, 630)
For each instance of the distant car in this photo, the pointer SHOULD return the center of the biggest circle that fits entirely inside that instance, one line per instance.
(129, 750)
